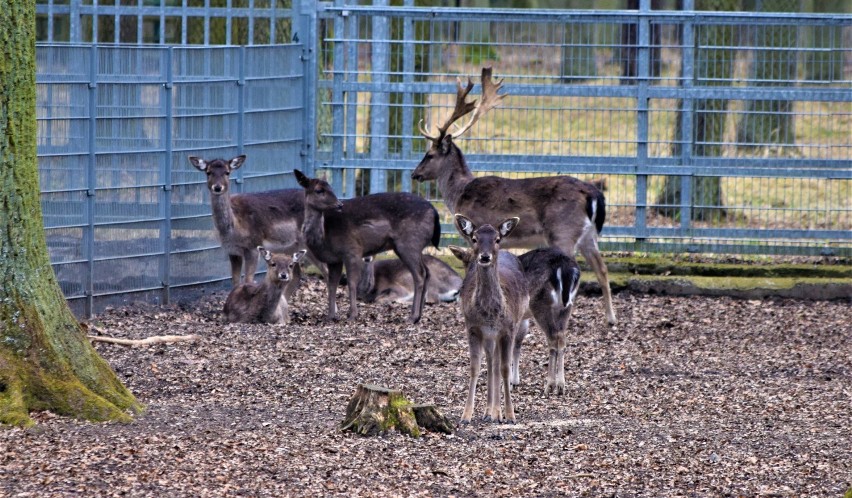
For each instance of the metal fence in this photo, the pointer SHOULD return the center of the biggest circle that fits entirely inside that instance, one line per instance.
(723, 132)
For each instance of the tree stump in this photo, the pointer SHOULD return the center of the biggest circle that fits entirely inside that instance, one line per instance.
(431, 419)
(376, 410)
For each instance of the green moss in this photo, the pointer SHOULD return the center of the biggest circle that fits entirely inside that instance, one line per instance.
(400, 415)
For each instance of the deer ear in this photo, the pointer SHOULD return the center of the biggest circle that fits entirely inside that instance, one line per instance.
(266, 255)
(464, 225)
(303, 180)
(299, 254)
(508, 225)
(446, 144)
(200, 164)
(460, 253)
(237, 162)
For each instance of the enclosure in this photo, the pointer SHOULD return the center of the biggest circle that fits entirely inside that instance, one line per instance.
(720, 132)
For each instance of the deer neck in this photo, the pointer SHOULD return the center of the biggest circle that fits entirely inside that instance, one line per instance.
(453, 180)
(487, 294)
(223, 213)
(314, 228)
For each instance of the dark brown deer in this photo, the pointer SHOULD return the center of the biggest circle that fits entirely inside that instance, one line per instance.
(559, 211)
(272, 219)
(494, 299)
(266, 302)
(553, 279)
(340, 234)
(388, 280)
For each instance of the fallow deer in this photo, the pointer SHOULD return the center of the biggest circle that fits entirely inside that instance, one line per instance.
(494, 299)
(388, 280)
(559, 211)
(266, 302)
(272, 219)
(340, 234)
(553, 279)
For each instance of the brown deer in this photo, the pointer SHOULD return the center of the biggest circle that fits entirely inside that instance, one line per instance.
(388, 280)
(340, 234)
(559, 211)
(272, 219)
(494, 299)
(266, 302)
(553, 279)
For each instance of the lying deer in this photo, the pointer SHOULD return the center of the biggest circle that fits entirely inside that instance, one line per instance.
(266, 302)
(272, 219)
(559, 211)
(553, 279)
(340, 234)
(388, 280)
(494, 299)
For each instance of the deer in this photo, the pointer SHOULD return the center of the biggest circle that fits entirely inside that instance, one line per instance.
(341, 233)
(272, 219)
(494, 300)
(553, 279)
(387, 280)
(560, 211)
(266, 302)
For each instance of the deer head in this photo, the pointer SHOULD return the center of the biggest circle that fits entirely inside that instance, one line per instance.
(280, 266)
(218, 172)
(442, 143)
(318, 193)
(485, 239)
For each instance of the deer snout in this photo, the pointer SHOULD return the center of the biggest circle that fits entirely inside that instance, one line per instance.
(217, 188)
(283, 276)
(338, 207)
(416, 176)
(485, 259)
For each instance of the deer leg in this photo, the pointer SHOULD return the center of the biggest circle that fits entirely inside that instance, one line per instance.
(515, 370)
(492, 362)
(475, 345)
(505, 360)
(589, 249)
(420, 277)
(236, 268)
(559, 374)
(353, 277)
(250, 258)
(334, 272)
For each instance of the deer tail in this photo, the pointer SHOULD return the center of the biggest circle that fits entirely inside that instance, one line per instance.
(596, 209)
(436, 230)
(565, 278)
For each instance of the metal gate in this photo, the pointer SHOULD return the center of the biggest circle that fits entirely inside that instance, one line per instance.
(723, 132)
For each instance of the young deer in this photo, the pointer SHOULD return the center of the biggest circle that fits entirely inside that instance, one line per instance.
(340, 234)
(559, 211)
(494, 299)
(266, 302)
(272, 219)
(387, 280)
(553, 279)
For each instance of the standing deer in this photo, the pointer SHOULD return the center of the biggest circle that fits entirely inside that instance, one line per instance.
(266, 302)
(494, 299)
(340, 234)
(272, 219)
(388, 280)
(553, 279)
(559, 211)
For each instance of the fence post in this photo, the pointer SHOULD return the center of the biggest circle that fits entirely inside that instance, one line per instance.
(308, 28)
(241, 110)
(166, 232)
(408, 67)
(643, 74)
(91, 184)
(337, 102)
(379, 121)
(687, 111)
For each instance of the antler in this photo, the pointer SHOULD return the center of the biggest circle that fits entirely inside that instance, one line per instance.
(460, 110)
(489, 100)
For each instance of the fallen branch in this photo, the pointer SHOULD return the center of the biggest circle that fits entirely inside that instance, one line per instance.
(157, 339)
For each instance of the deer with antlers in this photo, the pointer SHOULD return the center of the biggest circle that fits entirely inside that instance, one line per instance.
(560, 211)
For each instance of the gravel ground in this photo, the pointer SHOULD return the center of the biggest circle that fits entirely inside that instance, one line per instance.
(686, 396)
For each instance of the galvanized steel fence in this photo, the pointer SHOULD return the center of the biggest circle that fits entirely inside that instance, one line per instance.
(724, 132)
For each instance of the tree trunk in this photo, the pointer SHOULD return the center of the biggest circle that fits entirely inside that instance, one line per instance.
(767, 122)
(713, 66)
(46, 362)
(376, 410)
(431, 419)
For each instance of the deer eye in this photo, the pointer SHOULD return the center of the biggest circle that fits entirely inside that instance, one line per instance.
(272, 264)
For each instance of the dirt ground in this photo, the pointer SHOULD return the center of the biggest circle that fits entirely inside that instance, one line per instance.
(687, 396)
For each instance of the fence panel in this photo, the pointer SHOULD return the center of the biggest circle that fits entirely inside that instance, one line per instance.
(125, 213)
(713, 131)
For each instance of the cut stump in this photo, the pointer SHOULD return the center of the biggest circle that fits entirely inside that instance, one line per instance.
(376, 410)
(431, 419)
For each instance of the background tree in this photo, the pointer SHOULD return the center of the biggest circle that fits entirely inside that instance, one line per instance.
(46, 362)
(713, 66)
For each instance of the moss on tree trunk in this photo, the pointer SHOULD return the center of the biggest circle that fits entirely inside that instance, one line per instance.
(46, 362)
